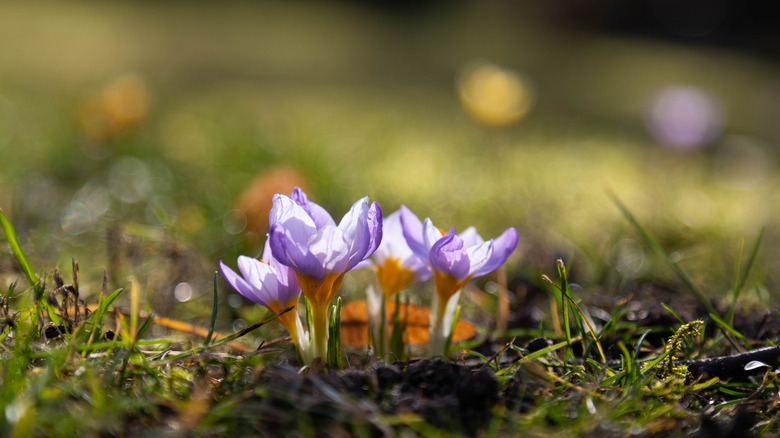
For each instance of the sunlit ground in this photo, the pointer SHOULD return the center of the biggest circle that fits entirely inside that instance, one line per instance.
(128, 135)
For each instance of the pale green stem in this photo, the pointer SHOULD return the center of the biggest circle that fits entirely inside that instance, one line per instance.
(437, 336)
(442, 315)
(319, 332)
(377, 316)
(303, 344)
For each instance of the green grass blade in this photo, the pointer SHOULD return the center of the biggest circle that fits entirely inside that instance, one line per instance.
(591, 330)
(397, 336)
(614, 378)
(728, 328)
(741, 277)
(629, 362)
(144, 327)
(732, 392)
(737, 277)
(566, 322)
(307, 306)
(111, 345)
(751, 259)
(21, 258)
(639, 343)
(334, 337)
(565, 298)
(673, 313)
(51, 311)
(560, 296)
(213, 312)
(703, 385)
(251, 328)
(481, 356)
(649, 371)
(660, 251)
(566, 301)
(543, 351)
(97, 316)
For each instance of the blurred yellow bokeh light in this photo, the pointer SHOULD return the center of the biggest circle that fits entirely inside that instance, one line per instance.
(494, 95)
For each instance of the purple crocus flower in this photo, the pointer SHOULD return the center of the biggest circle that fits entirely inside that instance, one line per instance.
(455, 259)
(273, 285)
(304, 237)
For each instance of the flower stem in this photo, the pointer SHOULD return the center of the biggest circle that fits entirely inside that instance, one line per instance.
(445, 301)
(319, 292)
(437, 334)
(319, 331)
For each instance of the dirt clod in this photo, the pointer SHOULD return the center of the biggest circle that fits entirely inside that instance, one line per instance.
(444, 394)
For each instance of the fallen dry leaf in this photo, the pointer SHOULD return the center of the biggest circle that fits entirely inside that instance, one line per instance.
(354, 324)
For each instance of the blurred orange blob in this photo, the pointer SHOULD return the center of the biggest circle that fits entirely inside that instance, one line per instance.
(119, 107)
(493, 95)
(257, 199)
(354, 324)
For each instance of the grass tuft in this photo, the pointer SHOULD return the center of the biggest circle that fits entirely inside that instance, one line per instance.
(661, 252)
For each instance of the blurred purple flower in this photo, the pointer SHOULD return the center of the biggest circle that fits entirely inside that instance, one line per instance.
(685, 117)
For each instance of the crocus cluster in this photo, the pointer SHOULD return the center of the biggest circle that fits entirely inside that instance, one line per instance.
(414, 251)
(305, 240)
(307, 252)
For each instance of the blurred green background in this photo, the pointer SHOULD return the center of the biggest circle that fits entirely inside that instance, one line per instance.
(146, 138)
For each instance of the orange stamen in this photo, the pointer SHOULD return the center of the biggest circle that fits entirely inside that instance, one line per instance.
(446, 287)
(320, 292)
(392, 276)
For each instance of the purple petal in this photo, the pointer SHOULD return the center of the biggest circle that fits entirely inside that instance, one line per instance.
(503, 246)
(479, 255)
(288, 287)
(268, 254)
(261, 277)
(318, 214)
(294, 254)
(393, 242)
(394, 245)
(353, 226)
(375, 229)
(251, 272)
(471, 237)
(421, 270)
(431, 234)
(447, 256)
(331, 248)
(293, 217)
(413, 233)
(299, 196)
(239, 284)
(364, 264)
(370, 238)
